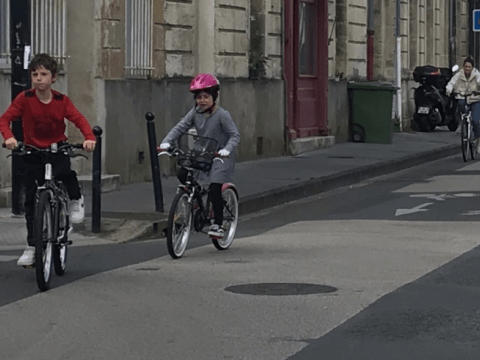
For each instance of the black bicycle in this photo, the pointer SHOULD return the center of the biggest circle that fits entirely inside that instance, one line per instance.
(468, 140)
(192, 206)
(51, 222)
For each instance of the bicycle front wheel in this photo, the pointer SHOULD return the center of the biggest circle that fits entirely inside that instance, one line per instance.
(61, 247)
(465, 140)
(179, 225)
(230, 219)
(43, 231)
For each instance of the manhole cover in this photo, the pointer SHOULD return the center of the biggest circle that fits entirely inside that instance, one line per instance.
(280, 289)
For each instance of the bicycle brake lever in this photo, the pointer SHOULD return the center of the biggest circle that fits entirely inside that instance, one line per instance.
(77, 155)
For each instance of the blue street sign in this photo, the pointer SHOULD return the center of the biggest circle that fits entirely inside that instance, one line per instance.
(476, 20)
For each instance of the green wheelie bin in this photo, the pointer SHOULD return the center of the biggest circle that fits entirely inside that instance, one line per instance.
(371, 115)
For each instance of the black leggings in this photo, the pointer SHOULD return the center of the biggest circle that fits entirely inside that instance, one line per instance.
(217, 202)
(35, 173)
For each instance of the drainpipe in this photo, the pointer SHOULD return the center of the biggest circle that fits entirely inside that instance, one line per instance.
(398, 65)
(452, 32)
(370, 36)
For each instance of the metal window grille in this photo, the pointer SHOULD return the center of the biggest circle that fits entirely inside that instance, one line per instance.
(138, 38)
(49, 28)
(4, 32)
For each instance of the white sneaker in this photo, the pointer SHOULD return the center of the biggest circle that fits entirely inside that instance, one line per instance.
(77, 211)
(28, 257)
(216, 230)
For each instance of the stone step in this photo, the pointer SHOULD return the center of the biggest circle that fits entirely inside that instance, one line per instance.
(109, 183)
(302, 145)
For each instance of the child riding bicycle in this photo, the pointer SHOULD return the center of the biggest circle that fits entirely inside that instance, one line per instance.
(467, 80)
(210, 120)
(42, 111)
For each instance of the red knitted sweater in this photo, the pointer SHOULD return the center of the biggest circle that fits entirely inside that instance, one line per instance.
(43, 124)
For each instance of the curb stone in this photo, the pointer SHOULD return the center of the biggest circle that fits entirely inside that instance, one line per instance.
(128, 230)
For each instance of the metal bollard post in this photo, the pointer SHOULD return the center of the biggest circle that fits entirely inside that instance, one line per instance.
(97, 180)
(157, 182)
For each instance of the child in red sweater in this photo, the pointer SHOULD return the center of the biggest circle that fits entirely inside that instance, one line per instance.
(43, 111)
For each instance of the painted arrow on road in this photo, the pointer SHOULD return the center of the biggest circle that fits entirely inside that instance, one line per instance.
(418, 208)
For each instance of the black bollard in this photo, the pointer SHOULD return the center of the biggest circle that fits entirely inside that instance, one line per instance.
(152, 144)
(97, 180)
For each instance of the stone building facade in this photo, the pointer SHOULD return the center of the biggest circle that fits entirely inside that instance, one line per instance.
(432, 32)
(124, 58)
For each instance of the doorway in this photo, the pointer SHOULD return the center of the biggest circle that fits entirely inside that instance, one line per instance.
(306, 67)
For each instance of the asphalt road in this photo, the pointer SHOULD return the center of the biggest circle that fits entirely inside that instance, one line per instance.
(399, 252)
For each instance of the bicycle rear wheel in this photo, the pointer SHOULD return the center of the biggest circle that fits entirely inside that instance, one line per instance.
(61, 247)
(473, 143)
(43, 230)
(230, 219)
(465, 140)
(179, 225)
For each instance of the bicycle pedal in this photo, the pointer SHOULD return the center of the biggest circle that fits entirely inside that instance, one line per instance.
(28, 266)
(216, 237)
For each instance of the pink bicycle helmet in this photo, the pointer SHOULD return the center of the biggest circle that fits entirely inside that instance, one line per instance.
(203, 82)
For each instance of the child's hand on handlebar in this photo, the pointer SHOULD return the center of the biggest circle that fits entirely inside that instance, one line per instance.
(164, 146)
(223, 152)
(89, 145)
(11, 143)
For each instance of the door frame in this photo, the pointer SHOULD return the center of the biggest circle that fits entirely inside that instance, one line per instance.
(293, 123)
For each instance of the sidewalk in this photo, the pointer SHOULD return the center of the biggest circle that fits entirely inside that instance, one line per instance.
(129, 213)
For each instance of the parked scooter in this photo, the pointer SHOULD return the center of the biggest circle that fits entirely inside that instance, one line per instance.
(432, 106)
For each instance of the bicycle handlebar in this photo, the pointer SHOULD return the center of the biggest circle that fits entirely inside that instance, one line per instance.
(175, 151)
(24, 149)
(465, 95)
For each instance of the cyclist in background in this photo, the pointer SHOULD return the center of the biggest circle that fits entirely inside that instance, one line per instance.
(210, 120)
(43, 111)
(466, 81)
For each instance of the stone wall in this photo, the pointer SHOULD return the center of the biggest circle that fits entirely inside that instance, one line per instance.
(257, 107)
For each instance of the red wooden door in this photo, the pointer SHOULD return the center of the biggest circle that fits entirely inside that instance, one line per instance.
(306, 61)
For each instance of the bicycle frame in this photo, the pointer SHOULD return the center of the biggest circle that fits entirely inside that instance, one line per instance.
(59, 200)
(196, 194)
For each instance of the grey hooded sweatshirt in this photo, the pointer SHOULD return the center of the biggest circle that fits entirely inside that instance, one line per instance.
(220, 126)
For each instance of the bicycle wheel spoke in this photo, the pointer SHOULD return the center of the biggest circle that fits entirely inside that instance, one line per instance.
(43, 230)
(230, 220)
(179, 225)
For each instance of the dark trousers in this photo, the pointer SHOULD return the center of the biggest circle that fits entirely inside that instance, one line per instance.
(217, 202)
(35, 174)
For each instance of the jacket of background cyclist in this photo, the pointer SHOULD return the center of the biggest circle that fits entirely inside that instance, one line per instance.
(460, 84)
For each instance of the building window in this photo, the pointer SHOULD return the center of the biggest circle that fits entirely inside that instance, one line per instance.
(4, 33)
(138, 37)
(49, 28)
(307, 37)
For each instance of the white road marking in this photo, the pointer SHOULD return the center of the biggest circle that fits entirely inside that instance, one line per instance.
(440, 197)
(450, 184)
(471, 213)
(418, 208)
(443, 197)
(5, 258)
(475, 166)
